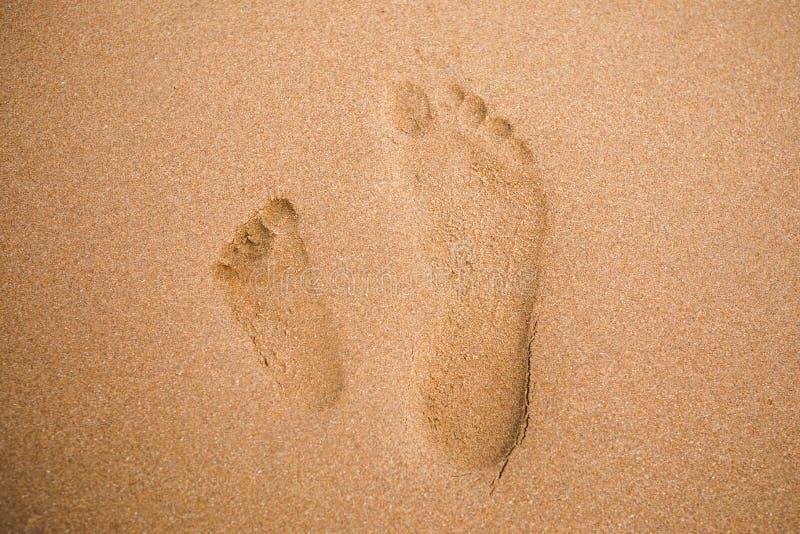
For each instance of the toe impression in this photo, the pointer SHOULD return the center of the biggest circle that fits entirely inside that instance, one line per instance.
(472, 111)
(408, 109)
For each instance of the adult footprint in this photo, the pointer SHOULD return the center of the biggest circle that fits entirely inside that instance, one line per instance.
(480, 186)
(264, 273)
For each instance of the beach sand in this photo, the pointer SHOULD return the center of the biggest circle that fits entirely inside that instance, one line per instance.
(647, 381)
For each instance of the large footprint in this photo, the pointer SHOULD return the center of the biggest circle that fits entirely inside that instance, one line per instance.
(263, 273)
(486, 220)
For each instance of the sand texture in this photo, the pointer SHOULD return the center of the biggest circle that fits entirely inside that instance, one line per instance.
(404, 267)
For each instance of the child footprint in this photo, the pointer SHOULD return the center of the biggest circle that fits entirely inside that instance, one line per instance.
(263, 273)
(479, 185)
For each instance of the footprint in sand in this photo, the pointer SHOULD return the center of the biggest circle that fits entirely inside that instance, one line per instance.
(479, 185)
(265, 274)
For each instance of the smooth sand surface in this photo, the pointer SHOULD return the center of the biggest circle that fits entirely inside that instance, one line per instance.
(137, 141)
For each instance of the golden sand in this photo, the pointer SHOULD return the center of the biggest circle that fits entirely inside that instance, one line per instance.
(659, 392)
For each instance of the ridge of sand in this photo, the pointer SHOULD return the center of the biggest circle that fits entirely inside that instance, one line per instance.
(264, 274)
(480, 185)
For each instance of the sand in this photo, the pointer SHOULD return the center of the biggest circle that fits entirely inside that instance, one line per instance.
(664, 344)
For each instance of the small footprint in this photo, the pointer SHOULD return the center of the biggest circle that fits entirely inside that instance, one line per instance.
(480, 189)
(265, 274)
